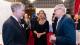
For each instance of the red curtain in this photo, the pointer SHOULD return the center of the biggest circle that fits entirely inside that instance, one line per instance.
(31, 39)
(76, 7)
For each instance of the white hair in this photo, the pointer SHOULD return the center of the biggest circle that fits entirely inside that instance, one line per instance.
(16, 5)
(60, 6)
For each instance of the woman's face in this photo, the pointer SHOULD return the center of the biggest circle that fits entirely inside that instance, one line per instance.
(26, 16)
(41, 15)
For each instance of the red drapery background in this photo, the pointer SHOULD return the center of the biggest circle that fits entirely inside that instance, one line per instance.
(76, 6)
(31, 39)
(76, 9)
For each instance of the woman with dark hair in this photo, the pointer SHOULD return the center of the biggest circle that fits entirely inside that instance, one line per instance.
(54, 23)
(26, 24)
(41, 28)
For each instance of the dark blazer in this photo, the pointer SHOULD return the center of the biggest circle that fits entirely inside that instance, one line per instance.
(26, 27)
(54, 25)
(13, 33)
(66, 33)
(78, 25)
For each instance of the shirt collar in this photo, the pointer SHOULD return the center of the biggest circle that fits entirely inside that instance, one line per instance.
(60, 18)
(15, 18)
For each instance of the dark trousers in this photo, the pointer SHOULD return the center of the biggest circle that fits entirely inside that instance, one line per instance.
(40, 41)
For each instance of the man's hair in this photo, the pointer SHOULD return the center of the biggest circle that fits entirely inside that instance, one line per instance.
(60, 6)
(16, 5)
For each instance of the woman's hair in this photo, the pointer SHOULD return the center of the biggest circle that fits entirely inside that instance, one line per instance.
(43, 12)
(25, 15)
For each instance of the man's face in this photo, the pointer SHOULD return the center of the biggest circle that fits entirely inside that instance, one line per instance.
(20, 12)
(59, 12)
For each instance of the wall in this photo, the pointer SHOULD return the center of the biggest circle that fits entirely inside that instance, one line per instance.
(5, 13)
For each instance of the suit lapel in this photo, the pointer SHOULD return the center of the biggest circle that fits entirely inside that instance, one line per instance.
(16, 24)
(60, 23)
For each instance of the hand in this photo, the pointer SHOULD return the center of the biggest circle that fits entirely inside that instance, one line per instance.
(52, 38)
(39, 35)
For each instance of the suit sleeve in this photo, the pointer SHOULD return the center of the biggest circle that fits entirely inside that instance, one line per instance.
(69, 37)
(8, 33)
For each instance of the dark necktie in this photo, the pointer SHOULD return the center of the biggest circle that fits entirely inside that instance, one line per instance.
(21, 27)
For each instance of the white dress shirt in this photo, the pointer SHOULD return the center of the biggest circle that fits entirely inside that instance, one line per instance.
(58, 21)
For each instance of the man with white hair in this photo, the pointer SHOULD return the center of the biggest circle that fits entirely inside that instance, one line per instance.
(13, 33)
(65, 29)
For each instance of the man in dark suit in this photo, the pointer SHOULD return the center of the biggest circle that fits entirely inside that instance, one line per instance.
(13, 33)
(65, 29)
